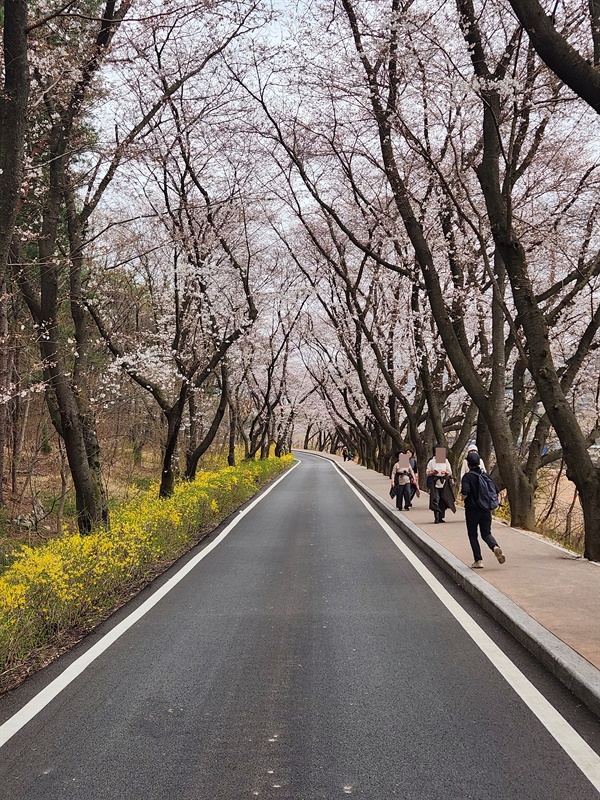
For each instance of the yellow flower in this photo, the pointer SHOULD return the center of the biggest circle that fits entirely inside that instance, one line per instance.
(47, 589)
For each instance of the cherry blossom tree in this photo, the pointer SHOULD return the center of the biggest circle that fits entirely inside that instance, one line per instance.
(83, 62)
(552, 382)
(403, 137)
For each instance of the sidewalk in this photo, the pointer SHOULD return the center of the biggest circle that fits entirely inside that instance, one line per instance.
(547, 597)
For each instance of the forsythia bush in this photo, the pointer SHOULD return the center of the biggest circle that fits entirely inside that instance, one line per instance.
(70, 580)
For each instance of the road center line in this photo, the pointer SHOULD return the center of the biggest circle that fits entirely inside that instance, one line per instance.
(41, 700)
(567, 737)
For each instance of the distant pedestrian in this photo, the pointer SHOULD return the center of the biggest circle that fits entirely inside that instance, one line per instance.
(439, 483)
(472, 448)
(402, 477)
(476, 514)
(345, 453)
(414, 486)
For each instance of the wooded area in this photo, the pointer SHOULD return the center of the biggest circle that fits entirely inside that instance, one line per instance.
(241, 226)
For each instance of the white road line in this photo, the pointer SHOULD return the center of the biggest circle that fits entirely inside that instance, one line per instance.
(41, 700)
(567, 737)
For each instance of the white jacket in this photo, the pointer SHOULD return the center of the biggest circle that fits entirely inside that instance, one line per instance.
(465, 468)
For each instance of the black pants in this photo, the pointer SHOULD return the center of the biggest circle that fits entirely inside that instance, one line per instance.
(403, 493)
(479, 518)
(440, 503)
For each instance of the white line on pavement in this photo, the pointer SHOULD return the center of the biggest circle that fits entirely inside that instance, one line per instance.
(567, 737)
(41, 700)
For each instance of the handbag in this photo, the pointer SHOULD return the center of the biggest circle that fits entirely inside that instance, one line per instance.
(393, 492)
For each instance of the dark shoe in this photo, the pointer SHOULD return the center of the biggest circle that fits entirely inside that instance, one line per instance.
(442, 520)
(436, 521)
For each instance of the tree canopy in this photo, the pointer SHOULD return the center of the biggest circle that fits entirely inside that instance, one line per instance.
(371, 224)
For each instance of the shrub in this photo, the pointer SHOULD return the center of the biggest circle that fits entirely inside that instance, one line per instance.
(74, 579)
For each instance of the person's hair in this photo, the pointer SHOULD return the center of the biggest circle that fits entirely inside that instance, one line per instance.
(473, 459)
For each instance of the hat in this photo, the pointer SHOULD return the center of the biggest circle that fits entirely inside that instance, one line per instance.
(473, 459)
(472, 447)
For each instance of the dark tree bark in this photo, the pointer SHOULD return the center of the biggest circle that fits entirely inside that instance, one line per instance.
(554, 50)
(76, 232)
(309, 428)
(232, 434)
(44, 308)
(194, 456)
(174, 417)
(13, 115)
(5, 371)
(580, 468)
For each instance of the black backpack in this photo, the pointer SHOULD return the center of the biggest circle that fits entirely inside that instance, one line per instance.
(487, 495)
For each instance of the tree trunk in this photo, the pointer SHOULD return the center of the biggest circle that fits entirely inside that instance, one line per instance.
(13, 118)
(13, 115)
(193, 457)
(307, 436)
(483, 439)
(4, 382)
(590, 503)
(167, 478)
(80, 369)
(174, 417)
(232, 430)
(65, 413)
(87, 492)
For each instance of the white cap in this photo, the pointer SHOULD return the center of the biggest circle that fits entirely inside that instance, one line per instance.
(472, 447)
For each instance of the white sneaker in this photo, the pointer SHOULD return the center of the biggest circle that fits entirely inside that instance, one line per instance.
(499, 555)
(477, 565)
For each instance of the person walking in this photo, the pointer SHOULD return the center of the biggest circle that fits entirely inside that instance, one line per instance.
(414, 486)
(402, 478)
(472, 448)
(439, 474)
(476, 515)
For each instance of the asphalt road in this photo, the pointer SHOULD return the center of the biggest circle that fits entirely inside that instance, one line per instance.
(303, 658)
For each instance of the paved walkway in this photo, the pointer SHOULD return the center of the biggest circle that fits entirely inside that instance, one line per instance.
(552, 586)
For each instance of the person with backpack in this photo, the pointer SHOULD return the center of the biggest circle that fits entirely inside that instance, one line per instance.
(481, 498)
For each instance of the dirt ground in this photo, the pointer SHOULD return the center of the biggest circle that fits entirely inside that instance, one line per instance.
(559, 512)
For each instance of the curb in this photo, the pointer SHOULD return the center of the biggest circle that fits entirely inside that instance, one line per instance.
(574, 671)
